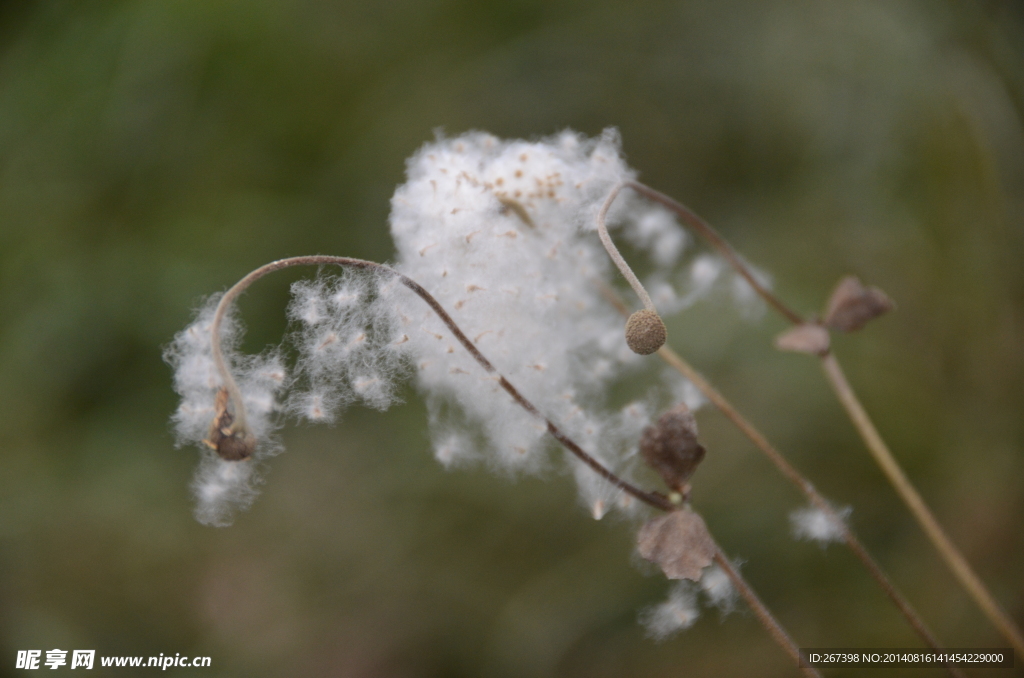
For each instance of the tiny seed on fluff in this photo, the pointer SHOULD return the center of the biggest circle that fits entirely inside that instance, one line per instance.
(645, 332)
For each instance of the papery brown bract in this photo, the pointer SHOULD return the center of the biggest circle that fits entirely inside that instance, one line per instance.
(852, 305)
(679, 542)
(807, 338)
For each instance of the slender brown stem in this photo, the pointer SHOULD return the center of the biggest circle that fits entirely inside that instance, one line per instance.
(880, 451)
(762, 613)
(862, 422)
(813, 496)
(794, 476)
(654, 499)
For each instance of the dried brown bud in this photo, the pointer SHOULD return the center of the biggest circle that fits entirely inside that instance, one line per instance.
(806, 338)
(645, 332)
(231, 445)
(852, 305)
(670, 446)
(679, 542)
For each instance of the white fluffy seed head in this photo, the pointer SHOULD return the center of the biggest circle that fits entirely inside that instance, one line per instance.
(681, 609)
(348, 341)
(503, 234)
(221, 488)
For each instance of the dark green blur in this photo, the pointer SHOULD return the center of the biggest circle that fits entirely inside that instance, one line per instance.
(153, 152)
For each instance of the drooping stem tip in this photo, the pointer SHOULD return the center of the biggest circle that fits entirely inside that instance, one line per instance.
(645, 330)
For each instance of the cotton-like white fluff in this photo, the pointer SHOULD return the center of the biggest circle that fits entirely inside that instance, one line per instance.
(677, 613)
(681, 609)
(814, 524)
(221, 487)
(349, 346)
(718, 589)
(503, 234)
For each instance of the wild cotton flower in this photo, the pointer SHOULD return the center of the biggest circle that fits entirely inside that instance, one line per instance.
(501, 302)
(503, 235)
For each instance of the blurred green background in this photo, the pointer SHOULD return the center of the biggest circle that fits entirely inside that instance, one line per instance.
(152, 152)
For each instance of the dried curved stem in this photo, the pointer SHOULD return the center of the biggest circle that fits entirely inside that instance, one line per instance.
(813, 496)
(654, 499)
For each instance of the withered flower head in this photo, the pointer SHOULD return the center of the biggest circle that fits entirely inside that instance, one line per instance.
(670, 446)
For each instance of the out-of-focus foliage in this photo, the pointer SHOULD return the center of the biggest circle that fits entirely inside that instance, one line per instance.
(152, 152)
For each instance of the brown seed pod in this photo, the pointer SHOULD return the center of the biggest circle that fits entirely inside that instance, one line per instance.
(645, 332)
(231, 445)
(852, 305)
(670, 446)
